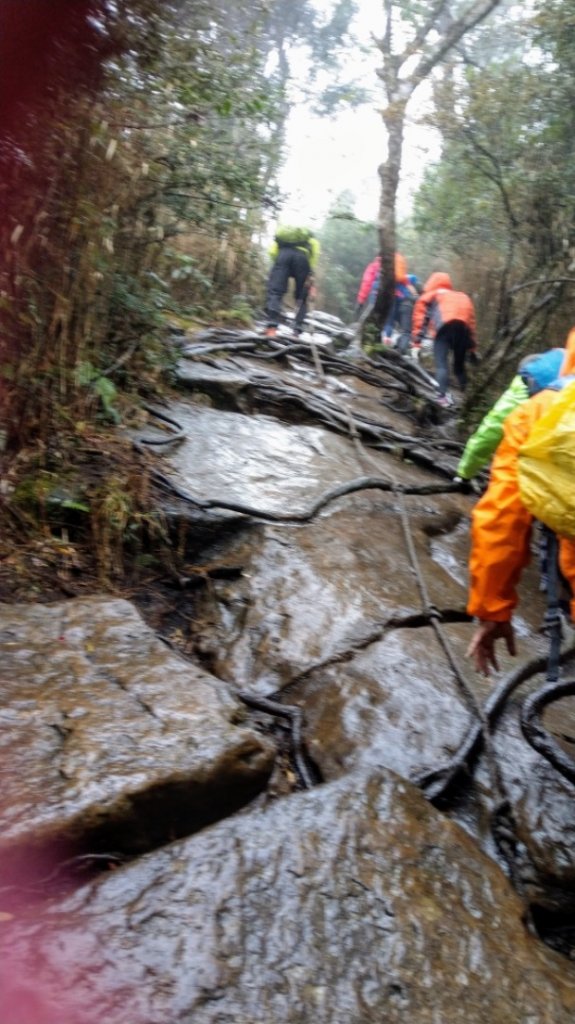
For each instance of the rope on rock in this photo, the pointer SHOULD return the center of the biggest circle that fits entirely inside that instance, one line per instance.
(503, 824)
(534, 732)
(295, 716)
(553, 690)
(409, 375)
(351, 487)
(409, 379)
(438, 783)
(178, 435)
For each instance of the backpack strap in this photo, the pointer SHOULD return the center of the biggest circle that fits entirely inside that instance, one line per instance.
(552, 620)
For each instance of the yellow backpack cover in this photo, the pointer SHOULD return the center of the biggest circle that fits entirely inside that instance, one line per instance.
(546, 466)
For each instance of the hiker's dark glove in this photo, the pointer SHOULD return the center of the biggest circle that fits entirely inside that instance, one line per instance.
(467, 486)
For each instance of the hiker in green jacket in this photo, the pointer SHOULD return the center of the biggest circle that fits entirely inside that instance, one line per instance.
(534, 373)
(295, 252)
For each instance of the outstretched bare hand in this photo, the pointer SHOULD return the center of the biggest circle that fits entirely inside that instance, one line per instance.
(482, 646)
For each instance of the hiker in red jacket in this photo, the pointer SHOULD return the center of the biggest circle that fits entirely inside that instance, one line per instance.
(404, 297)
(449, 317)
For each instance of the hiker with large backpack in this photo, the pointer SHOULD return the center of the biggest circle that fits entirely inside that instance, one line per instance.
(532, 478)
(295, 252)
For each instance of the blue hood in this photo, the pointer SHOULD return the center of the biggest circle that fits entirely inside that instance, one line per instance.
(543, 370)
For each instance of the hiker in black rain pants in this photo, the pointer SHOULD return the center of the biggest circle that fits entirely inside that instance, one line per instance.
(295, 253)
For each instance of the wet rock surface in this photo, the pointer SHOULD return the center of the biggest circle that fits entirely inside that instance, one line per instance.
(358, 901)
(544, 808)
(109, 737)
(355, 902)
(329, 615)
(256, 460)
(324, 592)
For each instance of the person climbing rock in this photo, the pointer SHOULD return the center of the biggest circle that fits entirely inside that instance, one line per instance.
(401, 315)
(295, 252)
(534, 373)
(501, 530)
(449, 317)
(404, 297)
(369, 286)
(415, 283)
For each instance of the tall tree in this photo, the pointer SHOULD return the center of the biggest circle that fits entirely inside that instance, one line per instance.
(347, 245)
(416, 38)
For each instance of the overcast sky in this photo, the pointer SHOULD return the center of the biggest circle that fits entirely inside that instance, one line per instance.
(328, 156)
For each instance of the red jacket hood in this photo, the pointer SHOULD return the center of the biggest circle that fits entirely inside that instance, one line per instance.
(437, 280)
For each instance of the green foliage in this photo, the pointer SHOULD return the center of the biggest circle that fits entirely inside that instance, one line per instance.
(102, 387)
(158, 176)
(501, 187)
(240, 312)
(347, 246)
(185, 268)
(44, 493)
(500, 205)
(335, 85)
(74, 506)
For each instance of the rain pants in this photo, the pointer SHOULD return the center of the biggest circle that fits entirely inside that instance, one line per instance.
(292, 259)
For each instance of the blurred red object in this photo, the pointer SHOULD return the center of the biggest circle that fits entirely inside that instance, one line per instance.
(41, 42)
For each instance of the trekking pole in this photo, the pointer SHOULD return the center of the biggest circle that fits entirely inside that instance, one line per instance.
(314, 349)
(552, 620)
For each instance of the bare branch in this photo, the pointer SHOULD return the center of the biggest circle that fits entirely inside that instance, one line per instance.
(542, 281)
(496, 175)
(476, 13)
(422, 33)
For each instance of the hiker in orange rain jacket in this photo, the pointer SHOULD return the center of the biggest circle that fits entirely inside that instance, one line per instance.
(501, 532)
(449, 317)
